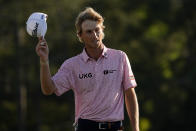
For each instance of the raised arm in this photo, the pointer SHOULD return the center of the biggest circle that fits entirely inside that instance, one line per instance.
(42, 51)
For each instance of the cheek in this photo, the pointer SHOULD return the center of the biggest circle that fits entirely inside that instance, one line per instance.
(87, 37)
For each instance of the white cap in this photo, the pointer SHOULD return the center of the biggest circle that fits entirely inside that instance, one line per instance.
(36, 24)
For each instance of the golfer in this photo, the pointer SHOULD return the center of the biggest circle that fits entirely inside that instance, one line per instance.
(100, 77)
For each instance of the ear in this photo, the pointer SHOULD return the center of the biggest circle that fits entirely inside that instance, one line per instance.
(78, 34)
(79, 37)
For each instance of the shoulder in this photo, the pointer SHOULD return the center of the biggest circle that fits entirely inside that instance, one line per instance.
(115, 52)
(71, 61)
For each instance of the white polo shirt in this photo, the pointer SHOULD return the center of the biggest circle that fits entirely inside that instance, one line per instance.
(98, 86)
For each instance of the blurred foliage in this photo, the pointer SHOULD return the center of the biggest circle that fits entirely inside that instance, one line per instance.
(158, 36)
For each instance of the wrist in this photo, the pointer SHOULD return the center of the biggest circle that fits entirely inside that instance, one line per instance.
(44, 62)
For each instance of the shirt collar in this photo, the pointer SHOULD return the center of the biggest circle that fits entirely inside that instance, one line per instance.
(86, 57)
(105, 52)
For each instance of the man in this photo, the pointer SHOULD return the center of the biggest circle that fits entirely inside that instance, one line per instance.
(99, 78)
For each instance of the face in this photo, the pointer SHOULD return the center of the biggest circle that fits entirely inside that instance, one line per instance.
(92, 34)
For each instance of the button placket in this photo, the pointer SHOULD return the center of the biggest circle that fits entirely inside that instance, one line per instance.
(96, 67)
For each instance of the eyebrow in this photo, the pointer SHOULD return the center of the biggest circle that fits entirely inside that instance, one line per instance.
(92, 29)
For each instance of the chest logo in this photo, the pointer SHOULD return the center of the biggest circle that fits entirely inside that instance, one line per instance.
(85, 75)
(105, 72)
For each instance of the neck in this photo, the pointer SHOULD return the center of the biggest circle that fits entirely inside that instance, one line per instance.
(94, 53)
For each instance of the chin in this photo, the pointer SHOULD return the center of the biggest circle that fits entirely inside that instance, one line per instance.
(94, 44)
(98, 44)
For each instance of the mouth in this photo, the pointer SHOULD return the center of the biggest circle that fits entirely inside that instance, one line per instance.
(96, 40)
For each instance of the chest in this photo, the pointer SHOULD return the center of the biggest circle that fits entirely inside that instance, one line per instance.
(98, 75)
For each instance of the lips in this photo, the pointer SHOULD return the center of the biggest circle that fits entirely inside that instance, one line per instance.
(96, 40)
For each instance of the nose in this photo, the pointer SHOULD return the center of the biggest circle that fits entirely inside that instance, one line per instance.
(95, 34)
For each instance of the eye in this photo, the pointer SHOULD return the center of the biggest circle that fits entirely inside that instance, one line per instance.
(97, 30)
(89, 31)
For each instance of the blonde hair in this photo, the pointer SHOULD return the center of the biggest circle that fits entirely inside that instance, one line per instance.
(88, 14)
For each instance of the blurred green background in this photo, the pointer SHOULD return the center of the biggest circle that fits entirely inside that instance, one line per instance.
(157, 35)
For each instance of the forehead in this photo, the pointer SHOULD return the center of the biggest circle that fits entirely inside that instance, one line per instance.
(90, 25)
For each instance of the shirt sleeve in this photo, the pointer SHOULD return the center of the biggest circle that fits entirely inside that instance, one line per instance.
(62, 79)
(128, 77)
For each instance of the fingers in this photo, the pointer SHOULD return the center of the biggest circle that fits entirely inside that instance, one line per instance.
(42, 41)
(41, 45)
(40, 38)
(42, 49)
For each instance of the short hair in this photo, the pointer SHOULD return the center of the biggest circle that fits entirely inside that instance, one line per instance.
(88, 14)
